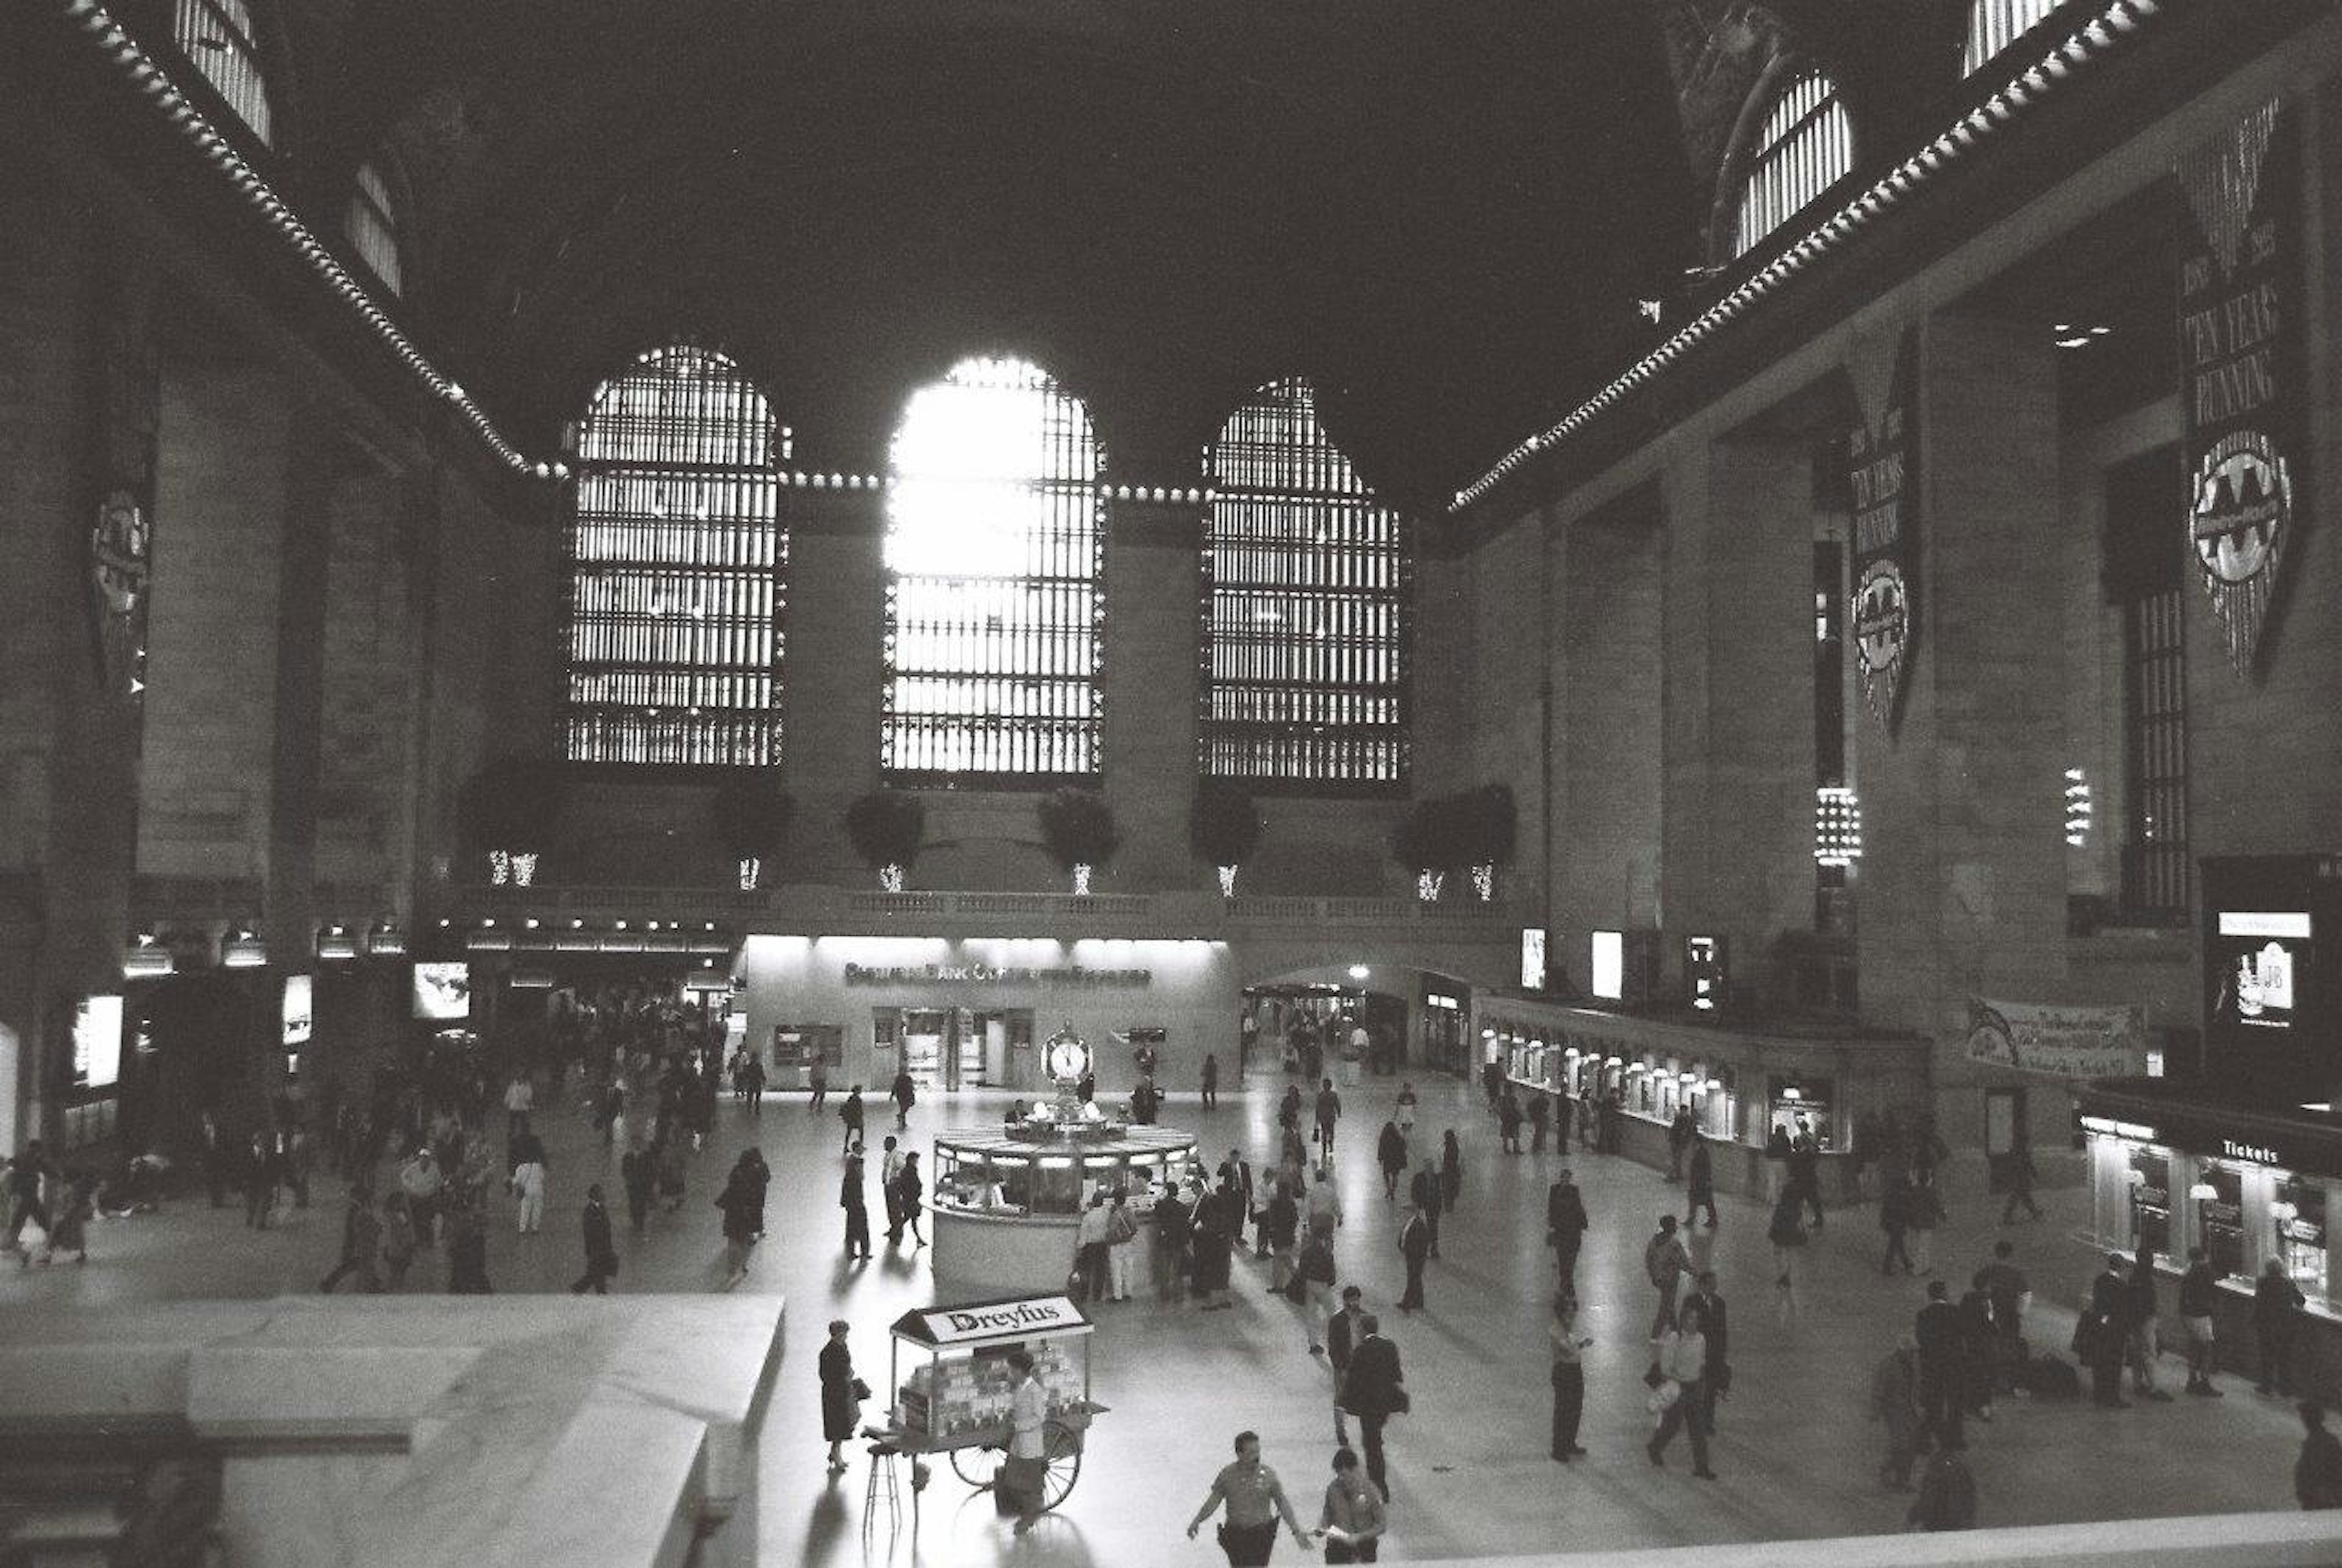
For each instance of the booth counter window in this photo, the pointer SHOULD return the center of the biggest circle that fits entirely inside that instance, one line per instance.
(2298, 1219)
(2150, 1201)
(2218, 1195)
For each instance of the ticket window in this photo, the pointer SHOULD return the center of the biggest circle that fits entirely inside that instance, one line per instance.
(2149, 1176)
(1806, 1105)
(2218, 1195)
(1715, 1103)
(2298, 1214)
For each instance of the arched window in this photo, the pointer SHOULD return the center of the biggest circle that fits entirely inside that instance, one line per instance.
(372, 222)
(677, 567)
(1995, 24)
(1806, 146)
(995, 601)
(218, 37)
(1305, 593)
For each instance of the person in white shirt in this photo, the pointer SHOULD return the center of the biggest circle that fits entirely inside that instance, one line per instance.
(1026, 1471)
(529, 1186)
(520, 1099)
(1121, 1244)
(1092, 1247)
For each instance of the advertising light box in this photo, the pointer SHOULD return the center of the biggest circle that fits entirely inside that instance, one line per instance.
(298, 1017)
(2269, 1020)
(443, 991)
(98, 1042)
(1533, 958)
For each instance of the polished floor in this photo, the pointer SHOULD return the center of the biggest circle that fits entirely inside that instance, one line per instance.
(1796, 1451)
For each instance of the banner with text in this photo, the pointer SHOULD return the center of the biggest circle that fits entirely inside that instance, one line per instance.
(1882, 470)
(2235, 330)
(2063, 1042)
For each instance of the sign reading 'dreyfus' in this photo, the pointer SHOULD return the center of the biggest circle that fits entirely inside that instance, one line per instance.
(1072, 978)
(2235, 283)
(1881, 470)
(957, 1325)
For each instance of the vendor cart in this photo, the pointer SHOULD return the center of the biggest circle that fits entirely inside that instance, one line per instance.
(956, 1398)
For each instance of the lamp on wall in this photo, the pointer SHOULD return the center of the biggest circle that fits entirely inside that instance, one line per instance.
(2204, 1192)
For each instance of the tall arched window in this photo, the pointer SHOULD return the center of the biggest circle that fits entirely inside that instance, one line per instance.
(372, 222)
(1305, 594)
(218, 37)
(995, 601)
(1995, 24)
(678, 568)
(1806, 146)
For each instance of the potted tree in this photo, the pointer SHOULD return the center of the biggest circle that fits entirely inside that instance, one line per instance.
(1225, 826)
(1488, 828)
(887, 827)
(1078, 826)
(751, 819)
(507, 812)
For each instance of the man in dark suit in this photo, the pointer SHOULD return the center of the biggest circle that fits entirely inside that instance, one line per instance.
(1565, 1228)
(1943, 1367)
(1373, 1391)
(1342, 1336)
(1713, 1328)
(1415, 1245)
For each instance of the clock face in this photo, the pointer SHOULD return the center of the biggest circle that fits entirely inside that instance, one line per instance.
(1068, 1059)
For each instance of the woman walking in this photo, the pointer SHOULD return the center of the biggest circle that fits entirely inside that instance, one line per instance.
(907, 1192)
(842, 1394)
(1451, 1171)
(1787, 1234)
(1353, 1519)
(1680, 1355)
(739, 1203)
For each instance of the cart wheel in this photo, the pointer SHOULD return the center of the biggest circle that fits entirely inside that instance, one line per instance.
(967, 1464)
(1061, 1458)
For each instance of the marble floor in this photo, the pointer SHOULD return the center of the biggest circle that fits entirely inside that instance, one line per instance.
(1796, 1451)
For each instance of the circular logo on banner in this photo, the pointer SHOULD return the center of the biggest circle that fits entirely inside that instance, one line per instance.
(1882, 618)
(2241, 507)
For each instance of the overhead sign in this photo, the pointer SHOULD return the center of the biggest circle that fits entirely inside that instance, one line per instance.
(1072, 978)
(2061, 1042)
(2236, 304)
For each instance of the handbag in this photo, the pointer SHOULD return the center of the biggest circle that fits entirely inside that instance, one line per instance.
(1401, 1402)
(1652, 1376)
(861, 1390)
(1664, 1396)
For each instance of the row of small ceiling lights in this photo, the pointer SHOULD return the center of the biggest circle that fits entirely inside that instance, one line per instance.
(794, 480)
(156, 87)
(2121, 19)
(532, 922)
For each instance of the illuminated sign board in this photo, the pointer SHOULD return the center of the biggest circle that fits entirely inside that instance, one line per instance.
(1608, 970)
(98, 1042)
(1533, 970)
(442, 990)
(1071, 977)
(298, 1016)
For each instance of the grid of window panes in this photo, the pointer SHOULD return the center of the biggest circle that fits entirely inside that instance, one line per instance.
(372, 226)
(678, 569)
(2154, 844)
(1304, 607)
(217, 36)
(1995, 24)
(1806, 146)
(995, 581)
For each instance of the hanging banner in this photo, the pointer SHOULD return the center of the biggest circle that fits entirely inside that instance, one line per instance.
(2235, 289)
(118, 548)
(1883, 472)
(2063, 1042)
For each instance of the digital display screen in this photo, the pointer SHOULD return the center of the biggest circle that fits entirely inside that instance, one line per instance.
(98, 1042)
(1533, 958)
(442, 990)
(1608, 968)
(2259, 960)
(298, 1017)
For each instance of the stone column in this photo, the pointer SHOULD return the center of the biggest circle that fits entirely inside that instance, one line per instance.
(1738, 801)
(1152, 566)
(1962, 884)
(834, 667)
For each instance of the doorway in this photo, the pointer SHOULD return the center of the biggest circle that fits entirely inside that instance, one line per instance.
(2004, 1135)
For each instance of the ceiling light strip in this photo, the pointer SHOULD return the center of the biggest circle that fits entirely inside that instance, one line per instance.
(154, 84)
(2120, 20)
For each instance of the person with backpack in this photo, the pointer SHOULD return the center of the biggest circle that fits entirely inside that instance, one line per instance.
(1312, 1284)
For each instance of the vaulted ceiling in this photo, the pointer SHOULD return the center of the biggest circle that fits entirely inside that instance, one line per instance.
(1444, 211)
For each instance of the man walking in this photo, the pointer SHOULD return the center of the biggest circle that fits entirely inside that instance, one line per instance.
(1943, 1362)
(2276, 1307)
(361, 1244)
(1665, 1261)
(2142, 1332)
(890, 1177)
(1330, 1110)
(1211, 1080)
(1342, 1336)
(2021, 1172)
(2004, 1285)
(1255, 1500)
(1390, 1153)
(1701, 1181)
(852, 1199)
(1373, 1390)
(2100, 1337)
(1415, 1245)
(1565, 1228)
(1716, 1379)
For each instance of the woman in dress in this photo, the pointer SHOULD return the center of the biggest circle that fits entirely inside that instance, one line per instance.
(908, 1189)
(841, 1394)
